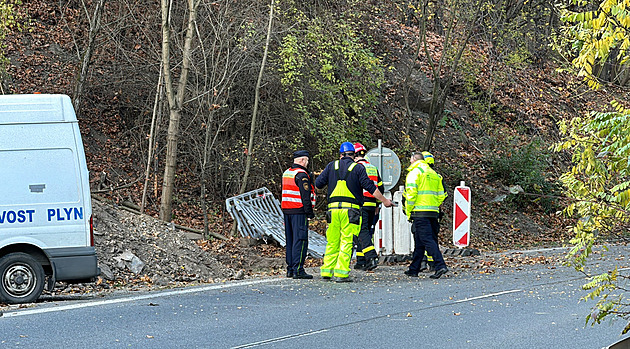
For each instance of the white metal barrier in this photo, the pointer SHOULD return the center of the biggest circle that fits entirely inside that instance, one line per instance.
(392, 234)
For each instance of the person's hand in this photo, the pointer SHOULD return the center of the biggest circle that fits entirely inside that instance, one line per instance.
(388, 203)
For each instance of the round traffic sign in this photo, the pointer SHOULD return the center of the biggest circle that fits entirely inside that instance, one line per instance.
(388, 165)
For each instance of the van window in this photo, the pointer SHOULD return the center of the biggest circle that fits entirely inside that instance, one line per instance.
(38, 176)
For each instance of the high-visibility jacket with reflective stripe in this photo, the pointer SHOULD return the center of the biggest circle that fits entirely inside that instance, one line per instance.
(424, 192)
(291, 197)
(372, 172)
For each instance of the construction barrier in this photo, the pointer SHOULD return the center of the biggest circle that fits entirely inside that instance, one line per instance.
(258, 215)
(461, 216)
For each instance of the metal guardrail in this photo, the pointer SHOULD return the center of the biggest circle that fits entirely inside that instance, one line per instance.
(257, 214)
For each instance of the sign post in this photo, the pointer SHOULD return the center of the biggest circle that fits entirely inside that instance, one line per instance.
(461, 216)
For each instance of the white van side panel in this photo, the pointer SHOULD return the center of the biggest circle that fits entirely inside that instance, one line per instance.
(44, 183)
(47, 176)
(42, 189)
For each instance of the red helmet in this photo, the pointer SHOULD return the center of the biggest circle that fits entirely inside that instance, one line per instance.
(358, 147)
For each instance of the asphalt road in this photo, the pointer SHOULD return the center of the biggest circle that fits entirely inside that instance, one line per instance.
(533, 306)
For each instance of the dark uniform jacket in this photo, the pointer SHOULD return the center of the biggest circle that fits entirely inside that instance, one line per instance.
(356, 180)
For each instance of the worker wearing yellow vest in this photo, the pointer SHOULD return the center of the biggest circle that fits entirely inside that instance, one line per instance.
(427, 263)
(345, 180)
(367, 258)
(298, 200)
(424, 193)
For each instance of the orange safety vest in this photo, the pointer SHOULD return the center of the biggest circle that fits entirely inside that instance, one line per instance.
(291, 197)
(372, 174)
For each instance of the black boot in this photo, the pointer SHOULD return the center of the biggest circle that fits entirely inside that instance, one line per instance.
(371, 264)
(439, 273)
(302, 275)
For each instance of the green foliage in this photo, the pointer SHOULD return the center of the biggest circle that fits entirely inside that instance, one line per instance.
(330, 76)
(601, 286)
(8, 22)
(599, 181)
(518, 31)
(591, 36)
(597, 31)
(525, 166)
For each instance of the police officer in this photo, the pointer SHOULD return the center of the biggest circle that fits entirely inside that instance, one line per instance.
(345, 180)
(367, 258)
(424, 193)
(298, 200)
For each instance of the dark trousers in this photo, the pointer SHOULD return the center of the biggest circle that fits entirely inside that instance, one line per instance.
(363, 243)
(424, 239)
(296, 235)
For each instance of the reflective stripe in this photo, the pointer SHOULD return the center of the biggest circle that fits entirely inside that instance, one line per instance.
(342, 272)
(336, 205)
(326, 272)
(368, 249)
(372, 173)
(360, 254)
(423, 189)
(430, 192)
(291, 197)
(426, 208)
(369, 204)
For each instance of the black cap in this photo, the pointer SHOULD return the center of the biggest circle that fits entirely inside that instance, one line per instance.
(300, 153)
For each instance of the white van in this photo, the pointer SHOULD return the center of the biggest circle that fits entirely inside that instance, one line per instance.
(45, 209)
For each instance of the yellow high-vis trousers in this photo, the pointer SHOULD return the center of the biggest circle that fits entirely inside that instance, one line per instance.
(339, 246)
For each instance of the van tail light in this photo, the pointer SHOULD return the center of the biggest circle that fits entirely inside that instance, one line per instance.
(91, 232)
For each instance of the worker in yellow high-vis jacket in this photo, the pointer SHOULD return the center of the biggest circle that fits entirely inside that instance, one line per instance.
(345, 180)
(424, 193)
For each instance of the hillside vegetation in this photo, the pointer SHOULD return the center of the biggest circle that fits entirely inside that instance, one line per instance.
(479, 76)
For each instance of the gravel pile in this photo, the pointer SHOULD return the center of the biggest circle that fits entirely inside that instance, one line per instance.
(139, 248)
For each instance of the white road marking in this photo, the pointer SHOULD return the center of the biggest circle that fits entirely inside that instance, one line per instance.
(297, 335)
(279, 339)
(486, 296)
(134, 298)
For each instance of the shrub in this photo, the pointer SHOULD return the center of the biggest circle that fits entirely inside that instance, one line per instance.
(527, 167)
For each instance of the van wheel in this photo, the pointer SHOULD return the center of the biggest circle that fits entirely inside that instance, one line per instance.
(21, 278)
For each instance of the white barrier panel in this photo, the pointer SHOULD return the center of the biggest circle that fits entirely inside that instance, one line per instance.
(383, 232)
(392, 233)
(403, 239)
(461, 212)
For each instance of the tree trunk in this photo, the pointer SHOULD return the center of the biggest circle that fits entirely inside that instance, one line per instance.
(175, 102)
(442, 85)
(95, 26)
(252, 130)
(147, 173)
